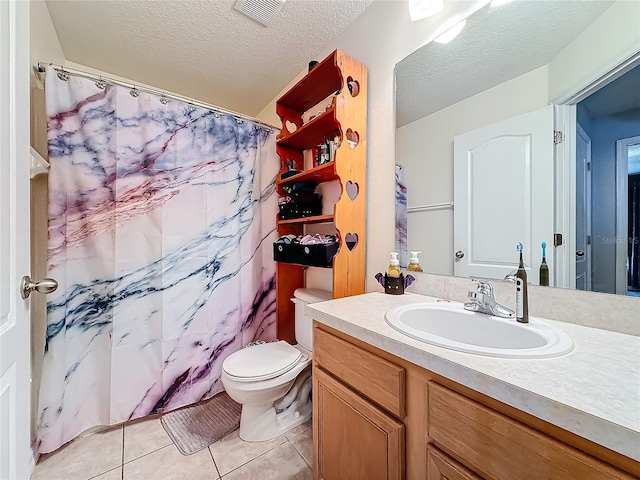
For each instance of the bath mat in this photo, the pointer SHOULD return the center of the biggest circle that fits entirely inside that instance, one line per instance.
(197, 426)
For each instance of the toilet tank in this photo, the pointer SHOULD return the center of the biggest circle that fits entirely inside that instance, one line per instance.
(303, 328)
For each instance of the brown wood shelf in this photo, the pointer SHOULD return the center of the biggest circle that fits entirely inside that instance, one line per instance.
(313, 133)
(327, 82)
(322, 173)
(316, 85)
(316, 219)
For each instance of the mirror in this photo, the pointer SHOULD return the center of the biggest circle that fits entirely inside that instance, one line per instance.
(508, 60)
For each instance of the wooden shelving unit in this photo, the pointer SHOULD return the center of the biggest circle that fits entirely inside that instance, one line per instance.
(345, 80)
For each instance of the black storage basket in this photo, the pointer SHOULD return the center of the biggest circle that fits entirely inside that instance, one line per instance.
(302, 204)
(313, 255)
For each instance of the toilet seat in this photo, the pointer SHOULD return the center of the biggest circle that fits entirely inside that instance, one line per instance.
(262, 362)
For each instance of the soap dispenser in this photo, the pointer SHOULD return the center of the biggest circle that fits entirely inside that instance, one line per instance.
(414, 262)
(394, 265)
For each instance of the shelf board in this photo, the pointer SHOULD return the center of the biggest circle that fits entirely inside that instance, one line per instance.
(316, 219)
(319, 83)
(320, 174)
(312, 133)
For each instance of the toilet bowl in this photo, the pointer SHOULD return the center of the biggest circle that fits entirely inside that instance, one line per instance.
(272, 381)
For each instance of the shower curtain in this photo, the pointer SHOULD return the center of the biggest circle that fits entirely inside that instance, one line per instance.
(161, 219)
(401, 215)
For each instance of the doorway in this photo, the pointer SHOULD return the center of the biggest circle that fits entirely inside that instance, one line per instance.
(610, 119)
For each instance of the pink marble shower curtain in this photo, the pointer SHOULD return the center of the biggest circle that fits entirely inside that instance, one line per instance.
(161, 219)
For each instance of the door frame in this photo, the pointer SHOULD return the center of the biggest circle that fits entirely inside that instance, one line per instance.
(582, 133)
(622, 227)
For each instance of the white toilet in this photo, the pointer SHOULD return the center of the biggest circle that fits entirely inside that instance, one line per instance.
(272, 381)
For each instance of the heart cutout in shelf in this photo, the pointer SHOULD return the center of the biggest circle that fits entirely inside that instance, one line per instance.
(352, 138)
(290, 126)
(353, 86)
(351, 239)
(352, 189)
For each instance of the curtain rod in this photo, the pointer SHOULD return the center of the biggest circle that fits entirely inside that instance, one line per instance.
(435, 206)
(63, 74)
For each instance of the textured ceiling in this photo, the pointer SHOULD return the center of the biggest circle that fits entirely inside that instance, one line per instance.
(201, 49)
(496, 45)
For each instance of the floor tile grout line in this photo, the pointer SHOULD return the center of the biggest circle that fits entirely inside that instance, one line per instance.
(215, 465)
(300, 453)
(258, 456)
(102, 473)
(148, 453)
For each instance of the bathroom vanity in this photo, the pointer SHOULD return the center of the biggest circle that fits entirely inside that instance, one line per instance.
(387, 406)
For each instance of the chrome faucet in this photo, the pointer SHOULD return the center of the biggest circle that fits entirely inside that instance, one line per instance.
(483, 300)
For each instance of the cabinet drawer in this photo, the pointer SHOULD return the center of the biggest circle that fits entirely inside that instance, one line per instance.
(498, 447)
(374, 377)
(443, 467)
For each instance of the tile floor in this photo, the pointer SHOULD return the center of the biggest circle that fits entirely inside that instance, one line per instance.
(142, 450)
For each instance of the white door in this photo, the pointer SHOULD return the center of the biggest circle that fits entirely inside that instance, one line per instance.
(503, 195)
(15, 453)
(583, 210)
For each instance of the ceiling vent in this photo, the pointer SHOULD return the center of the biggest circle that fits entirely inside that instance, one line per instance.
(262, 11)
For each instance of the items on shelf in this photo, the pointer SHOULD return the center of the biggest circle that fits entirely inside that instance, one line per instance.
(310, 250)
(291, 169)
(326, 151)
(301, 201)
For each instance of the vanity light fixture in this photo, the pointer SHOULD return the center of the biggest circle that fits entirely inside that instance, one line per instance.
(419, 9)
(452, 33)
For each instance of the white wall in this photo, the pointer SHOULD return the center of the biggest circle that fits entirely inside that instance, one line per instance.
(380, 37)
(425, 148)
(45, 47)
(612, 38)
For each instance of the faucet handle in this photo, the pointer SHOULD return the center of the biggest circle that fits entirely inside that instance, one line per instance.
(511, 277)
(483, 285)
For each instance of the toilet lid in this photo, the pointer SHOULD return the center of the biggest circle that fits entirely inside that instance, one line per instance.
(262, 362)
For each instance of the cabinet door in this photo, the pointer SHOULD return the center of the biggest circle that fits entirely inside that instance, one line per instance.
(443, 467)
(353, 439)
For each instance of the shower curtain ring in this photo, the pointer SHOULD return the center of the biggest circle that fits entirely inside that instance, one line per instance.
(163, 99)
(100, 83)
(191, 107)
(62, 75)
(239, 121)
(134, 92)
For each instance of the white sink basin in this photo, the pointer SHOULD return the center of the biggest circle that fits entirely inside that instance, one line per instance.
(450, 326)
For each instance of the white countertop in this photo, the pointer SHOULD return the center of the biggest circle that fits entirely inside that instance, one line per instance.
(594, 391)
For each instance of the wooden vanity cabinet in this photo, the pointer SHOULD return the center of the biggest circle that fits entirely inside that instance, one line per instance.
(355, 438)
(378, 416)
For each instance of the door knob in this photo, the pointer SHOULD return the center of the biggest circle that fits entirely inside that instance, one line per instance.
(459, 254)
(46, 285)
(579, 253)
